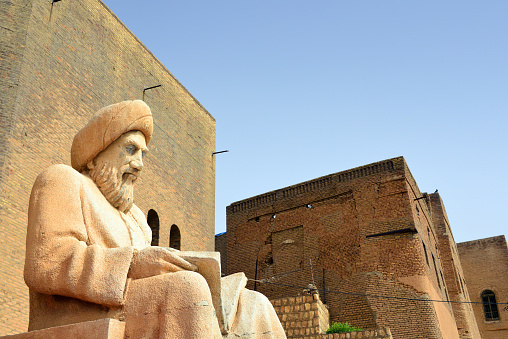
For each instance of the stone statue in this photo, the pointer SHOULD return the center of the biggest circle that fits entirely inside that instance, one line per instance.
(88, 254)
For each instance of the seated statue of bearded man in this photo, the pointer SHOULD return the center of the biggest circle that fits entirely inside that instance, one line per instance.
(88, 247)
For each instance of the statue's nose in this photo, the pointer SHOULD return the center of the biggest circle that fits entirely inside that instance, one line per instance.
(137, 163)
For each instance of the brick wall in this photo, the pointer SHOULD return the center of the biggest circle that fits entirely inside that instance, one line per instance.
(367, 232)
(13, 294)
(302, 316)
(380, 333)
(305, 316)
(485, 266)
(220, 246)
(59, 64)
(454, 276)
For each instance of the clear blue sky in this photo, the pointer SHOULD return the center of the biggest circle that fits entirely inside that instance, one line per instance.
(302, 89)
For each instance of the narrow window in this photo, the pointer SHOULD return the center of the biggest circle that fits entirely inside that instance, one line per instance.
(174, 237)
(425, 251)
(435, 269)
(490, 305)
(444, 285)
(153, 221)
(459, 278)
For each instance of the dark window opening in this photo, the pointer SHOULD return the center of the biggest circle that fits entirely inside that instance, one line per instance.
(426, 255)
(490, 305)
(461, 286)
(444, 285)
(435, 269)
(153, 221)
(174, 237)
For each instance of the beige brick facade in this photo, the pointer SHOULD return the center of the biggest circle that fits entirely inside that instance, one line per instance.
(60, 63)
(485, 265)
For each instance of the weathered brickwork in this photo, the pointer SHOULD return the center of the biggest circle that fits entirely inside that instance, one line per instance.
(306, 316)
(485, 265)
(453, 274)
(60, 63)
(220, 246)
(302, 316)
(360, 235)
(380, 333)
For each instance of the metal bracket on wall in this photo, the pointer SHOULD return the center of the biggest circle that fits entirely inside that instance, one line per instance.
(51, 10)
(147, 88)
(219, 152)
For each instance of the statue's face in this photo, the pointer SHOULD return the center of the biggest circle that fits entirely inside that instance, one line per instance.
(116, 168)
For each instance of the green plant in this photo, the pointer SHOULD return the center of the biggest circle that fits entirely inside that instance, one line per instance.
(342, 327)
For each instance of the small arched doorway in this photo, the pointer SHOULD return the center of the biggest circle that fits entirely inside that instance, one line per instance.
(153, 221)
(174, 237)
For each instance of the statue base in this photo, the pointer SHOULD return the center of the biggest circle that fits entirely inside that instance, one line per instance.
(97, 329)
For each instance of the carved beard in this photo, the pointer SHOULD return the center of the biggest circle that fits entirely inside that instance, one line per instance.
(117, 189)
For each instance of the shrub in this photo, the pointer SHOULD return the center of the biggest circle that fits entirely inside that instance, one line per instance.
(342, 327)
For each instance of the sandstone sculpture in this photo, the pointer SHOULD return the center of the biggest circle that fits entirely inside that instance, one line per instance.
(89, 256)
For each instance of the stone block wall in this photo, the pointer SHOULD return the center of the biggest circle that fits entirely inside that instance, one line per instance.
(306, 316)
(302, 316)
(381, 333)
(59, 64)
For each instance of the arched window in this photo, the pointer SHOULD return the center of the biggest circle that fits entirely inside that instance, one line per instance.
(490, 305)
(174, 237)
(153, 221)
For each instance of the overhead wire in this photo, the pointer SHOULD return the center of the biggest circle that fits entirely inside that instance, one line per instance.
(267, 281)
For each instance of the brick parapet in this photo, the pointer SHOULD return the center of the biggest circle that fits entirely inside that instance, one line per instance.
(323, 186)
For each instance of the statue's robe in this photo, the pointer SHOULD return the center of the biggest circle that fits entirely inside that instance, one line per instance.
(79, 250)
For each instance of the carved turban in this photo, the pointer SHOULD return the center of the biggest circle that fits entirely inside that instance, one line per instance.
(106, 126)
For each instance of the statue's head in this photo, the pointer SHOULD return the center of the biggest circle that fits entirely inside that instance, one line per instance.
(110, 148)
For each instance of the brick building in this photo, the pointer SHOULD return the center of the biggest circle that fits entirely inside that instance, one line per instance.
(485, 265)
(360, 235)
(59, 63)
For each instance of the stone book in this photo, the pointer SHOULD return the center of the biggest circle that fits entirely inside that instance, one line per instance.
(225, 291)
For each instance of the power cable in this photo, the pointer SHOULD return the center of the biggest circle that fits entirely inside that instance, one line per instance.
(376, 295)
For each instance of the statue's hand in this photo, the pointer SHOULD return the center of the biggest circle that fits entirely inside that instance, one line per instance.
(156, 260)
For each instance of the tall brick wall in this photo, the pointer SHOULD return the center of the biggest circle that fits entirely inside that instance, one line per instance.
(13, 294)
(366, 231)
(59, 64)
(452, 269)
(485, 265)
